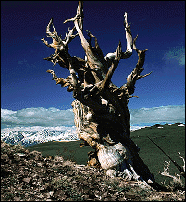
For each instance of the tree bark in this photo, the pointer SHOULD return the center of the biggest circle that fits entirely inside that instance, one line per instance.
(101, 113)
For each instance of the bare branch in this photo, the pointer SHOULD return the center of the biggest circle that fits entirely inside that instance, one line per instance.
(130, 96)
(182, 173)
(140, 77)
(69, 36)
(92, 59)
(111, 70)
(135, 74)
(61, 55)
(167, 174)
(57, 41)
(73, 75)
(183, 161)
(124, 55)
(128, 52)
(134, 43)
(53, 73)
(98, 52)
(79, 14)
(64, 82)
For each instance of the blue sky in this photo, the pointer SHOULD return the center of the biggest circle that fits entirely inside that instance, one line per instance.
(159, 24)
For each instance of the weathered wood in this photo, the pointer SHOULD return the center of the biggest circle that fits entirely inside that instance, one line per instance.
(101, 113)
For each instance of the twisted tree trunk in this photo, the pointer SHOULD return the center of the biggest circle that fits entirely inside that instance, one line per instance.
(100, 108)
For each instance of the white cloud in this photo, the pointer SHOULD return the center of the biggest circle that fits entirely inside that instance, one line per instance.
(163, 114)
(37, 117)
(53, 117)
(175, 54)
(6, 112)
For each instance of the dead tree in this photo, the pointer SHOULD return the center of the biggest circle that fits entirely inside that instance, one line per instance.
(100, 108)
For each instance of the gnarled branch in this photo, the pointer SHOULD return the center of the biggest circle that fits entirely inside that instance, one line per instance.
(135, 74)
(111, 70)
(124, 55)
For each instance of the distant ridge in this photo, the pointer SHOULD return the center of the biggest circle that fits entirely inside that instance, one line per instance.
(29, 136)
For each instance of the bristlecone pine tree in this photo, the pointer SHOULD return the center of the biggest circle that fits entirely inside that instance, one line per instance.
(100, 108)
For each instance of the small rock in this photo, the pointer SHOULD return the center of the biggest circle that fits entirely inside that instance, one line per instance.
(16, 157)
(27, 151)
(27, 180)
(17, 198)
(35, 155)
(111, 173)
(4, 157)
(39, 164)
(149, 181)
(40, 196)
(21, 154)
(51, 193)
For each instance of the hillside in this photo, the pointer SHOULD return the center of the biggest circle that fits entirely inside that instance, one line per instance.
(29, 176)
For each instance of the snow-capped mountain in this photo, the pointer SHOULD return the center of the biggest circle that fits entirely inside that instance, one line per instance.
(28, 136)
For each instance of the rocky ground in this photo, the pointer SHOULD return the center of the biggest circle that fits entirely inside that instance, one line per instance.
(28, 176)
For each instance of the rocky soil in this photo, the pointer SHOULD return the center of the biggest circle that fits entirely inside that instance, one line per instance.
(28, 176)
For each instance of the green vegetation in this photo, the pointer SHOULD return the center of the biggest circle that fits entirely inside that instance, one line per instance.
(69, 150)
(170, 138)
